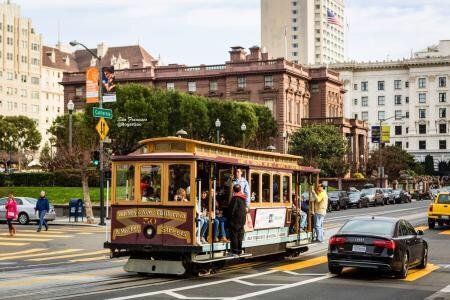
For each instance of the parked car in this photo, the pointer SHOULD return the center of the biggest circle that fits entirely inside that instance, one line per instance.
(25, 206)
(386, 244)
(337, 200)
(401, 196)
(439, 210)
(387, 195)
(374, 196)
(355, 199)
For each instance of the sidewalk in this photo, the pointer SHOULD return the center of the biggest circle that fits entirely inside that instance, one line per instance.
(64, 221)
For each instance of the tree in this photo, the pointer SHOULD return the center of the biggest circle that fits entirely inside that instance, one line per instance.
(394, 160)
(85, 140)
(429, 165)
(267, 127)
(46, 159)
(321, 146)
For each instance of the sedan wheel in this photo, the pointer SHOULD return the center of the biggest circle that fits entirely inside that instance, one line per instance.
(335, 270)
(424, 261)
(431, 224)
(338, 207)
(367, 203)
(404, 270)
(382, 202)
(23, 219)
(360, 204)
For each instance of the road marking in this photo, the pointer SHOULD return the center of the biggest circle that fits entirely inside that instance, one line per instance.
(45, 232)
(256, 284)
(24, 239)
(37, 234)
(22, 252)
(440, 295)
(89, 259)
(69, 255)
(373, 214)
(445, 232)
(303, 264)
(86, 233)
(39, 254)
(304, 274)
(12, 244)
(415, 274)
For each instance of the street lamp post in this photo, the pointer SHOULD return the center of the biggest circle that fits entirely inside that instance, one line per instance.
(217, 123)
(181, 133)
(243, 128)
(70, 107)
(10, 153)
(100, 102)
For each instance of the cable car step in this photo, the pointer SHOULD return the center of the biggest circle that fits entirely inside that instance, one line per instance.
(228, 257)
(295, 247)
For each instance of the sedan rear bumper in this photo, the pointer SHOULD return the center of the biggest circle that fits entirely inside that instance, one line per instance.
(383, 264)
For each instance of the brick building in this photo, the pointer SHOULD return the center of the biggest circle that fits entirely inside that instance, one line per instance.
(291, 91)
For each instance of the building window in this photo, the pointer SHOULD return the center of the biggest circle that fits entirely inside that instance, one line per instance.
(381, 115)
(294, 3)
(364, 86)
(9, 76)
(355, 101)
(294, 37)
(406, 84)
(381, 100)
(422, 97)
(241, 82)
(269, 104)
(294, 11)
(407, 130)
(442, 144)
(442, 128)
(365, 116)
(23, 59)
(442, 112)
(79, 91)
(295, 54)
(355, 87)
(381, 85)
(24, 107)
(422, 129)
(9, 56)
(442, 81)
(398, 99)
(406, 99)
(407, 145)
(398, 144)
(294, 45)
(422, 145)
(365, 101)
(170, 86)
(35, 109)
(442, 97)
(398, 115)
(397, 84)
(23, 78)
(35, 95)
(213, 86)
(268, 81)
(35, 80)
(294, 28)
(355, 116)
(398, 130)
(422, 113)
(23, 93)
(192, 86)
(9, 28)
(422, 83)
(294, 20)
(35, 61)
(34, 46)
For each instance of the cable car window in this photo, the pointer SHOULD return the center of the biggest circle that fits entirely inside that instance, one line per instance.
(125, 182)
(265, 187)
(150, 184)
(179, 182)
(254, 187)
(276, 188)
(286, 189)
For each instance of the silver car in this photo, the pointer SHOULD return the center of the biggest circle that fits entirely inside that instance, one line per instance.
(25, 206)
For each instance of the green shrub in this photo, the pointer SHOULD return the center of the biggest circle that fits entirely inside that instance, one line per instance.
(357, 176)
(64, 178)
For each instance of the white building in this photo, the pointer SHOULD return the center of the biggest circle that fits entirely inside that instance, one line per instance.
(299, 30)
(415, 88)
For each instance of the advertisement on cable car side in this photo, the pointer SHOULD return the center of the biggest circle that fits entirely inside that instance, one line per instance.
(152, 225)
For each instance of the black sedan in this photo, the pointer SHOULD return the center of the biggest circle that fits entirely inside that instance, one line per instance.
(337, 200)
(355, 199)
(381, 243)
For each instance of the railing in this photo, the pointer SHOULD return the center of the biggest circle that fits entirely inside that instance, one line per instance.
(336, 121)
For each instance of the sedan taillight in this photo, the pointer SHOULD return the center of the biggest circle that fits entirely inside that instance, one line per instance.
(390, 244)
(336, 240)
(431, 208)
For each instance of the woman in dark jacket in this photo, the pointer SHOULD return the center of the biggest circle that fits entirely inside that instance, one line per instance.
(237, 211)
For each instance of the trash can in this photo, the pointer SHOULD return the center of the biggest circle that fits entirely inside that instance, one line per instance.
(76, 209)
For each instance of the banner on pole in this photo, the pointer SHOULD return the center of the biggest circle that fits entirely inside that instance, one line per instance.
(92, 85)
(385, 134)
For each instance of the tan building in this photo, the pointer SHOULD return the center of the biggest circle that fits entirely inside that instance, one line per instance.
(299, 30)
(291, 91)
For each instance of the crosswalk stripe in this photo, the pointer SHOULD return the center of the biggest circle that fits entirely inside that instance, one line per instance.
(12, 244)
(24, 239)
(37, 234)
(39, 254)
(22, 252)
(303, 264)
(69, 255)
(445, 232)
(419, 273)
(84, 233)
(45, 232)
(89, 259)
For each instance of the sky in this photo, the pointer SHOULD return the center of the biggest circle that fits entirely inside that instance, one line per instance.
(194, 32)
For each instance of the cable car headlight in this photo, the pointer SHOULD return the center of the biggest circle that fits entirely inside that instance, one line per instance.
(149, 231)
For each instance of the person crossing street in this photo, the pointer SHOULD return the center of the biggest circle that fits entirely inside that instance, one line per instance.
(11, 213)
(42, 207)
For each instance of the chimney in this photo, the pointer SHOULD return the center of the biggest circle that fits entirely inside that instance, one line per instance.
(255, 54)
(101, 50)
(237, 54)
(264, 54)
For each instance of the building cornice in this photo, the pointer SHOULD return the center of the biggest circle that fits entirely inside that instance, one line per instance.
(398, 64)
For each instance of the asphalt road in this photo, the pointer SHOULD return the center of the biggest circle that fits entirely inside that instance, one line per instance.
(69, 263)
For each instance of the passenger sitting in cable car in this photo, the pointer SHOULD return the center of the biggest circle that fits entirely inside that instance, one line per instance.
(220, 224)
(181, 195)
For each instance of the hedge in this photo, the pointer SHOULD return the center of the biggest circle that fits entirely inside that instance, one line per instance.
(64, 178)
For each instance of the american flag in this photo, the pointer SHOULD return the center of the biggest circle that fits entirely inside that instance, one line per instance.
(332, 19)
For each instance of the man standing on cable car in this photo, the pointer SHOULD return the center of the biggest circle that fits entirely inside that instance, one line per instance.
(320, 209)
(243, 183)
(237, 211)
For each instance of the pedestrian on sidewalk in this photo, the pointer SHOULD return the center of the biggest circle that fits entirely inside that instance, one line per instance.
(320, 198)
(11, 213)
(237, 211)
(42, 207)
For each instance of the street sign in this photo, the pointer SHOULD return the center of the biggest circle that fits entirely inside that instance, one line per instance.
(98, 112)
(102, 129)
(385, 134)
(375, 134)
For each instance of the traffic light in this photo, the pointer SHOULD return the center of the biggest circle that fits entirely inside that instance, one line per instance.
(95, 158)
